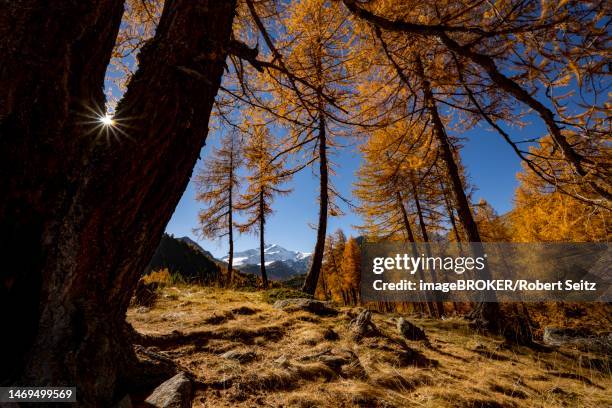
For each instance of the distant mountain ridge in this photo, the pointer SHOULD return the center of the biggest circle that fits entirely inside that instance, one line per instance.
(185, 257)
(281, 263)
(196, 246)
(272, 252)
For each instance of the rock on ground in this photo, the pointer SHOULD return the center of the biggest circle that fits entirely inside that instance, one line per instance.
(174, 393)
(240, 356)
(362, 325)
(409, 330)
(310, 305)
(581, 338)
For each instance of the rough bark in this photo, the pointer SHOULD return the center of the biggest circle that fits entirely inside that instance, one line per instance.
(89, 213)
(44, 51)
(400, 204)
(415, 252)
(262, 257)
(310, 283)
(230, 225)
(451, 216)
(438, 307)
(487, 314)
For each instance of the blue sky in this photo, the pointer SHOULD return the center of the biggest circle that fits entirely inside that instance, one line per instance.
(491, 165)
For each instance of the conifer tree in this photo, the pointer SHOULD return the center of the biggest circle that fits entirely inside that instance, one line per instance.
(266, 174)
(330, 280)
(381, 187)
(87, 197)
(325, 281)
(491, 226)
(317, 33)
(351, 271)
(476, 47)
(217, 186)
(542, 213)
(394, 192)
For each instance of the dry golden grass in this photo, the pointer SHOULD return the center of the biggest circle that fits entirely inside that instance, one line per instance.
(304, 360)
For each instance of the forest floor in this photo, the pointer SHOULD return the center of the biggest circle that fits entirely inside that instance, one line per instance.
(300, 359)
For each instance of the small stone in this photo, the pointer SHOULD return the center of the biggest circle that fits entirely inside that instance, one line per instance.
(362, 325)
(173, 393)
(282, 361)
(240, 356)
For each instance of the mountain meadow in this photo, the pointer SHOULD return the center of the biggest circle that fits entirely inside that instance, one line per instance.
(198, 197)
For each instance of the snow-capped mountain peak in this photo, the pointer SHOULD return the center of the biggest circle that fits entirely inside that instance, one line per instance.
(272, 253)
(303, 255)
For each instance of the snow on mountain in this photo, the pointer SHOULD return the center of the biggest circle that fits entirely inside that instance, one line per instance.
(272, 253)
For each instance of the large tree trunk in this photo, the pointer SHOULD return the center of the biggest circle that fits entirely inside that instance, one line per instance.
(487, 314)
(230, 226)
(52, 63)
(262, 242)
(438, 306)
(82, 215)
(451, 216)
(310, 283)
(415, 252)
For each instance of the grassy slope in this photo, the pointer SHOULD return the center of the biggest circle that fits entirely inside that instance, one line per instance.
(294, 363)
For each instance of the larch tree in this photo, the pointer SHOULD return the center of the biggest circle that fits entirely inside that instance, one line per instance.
(399, 192)
(82, 213)
(330, 281)
(420, 79)
(492, 227)
(351, 271)
(381, 204)
(218, 188)
(315, 47)
(325, 281)
(382, 185)
(558, 45)
(542, 213)
(266, 174)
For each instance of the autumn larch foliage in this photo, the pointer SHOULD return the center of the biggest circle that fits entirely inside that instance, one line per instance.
(341, 271)
(351, 271)
(543, 213)
(266, 174)
(217, 185)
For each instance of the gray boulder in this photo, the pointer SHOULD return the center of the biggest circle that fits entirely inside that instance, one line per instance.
(582, 339)
(409, 330)
(362, 325)
(173, 393)
(240, 356)
(310, 305)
